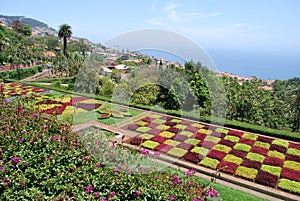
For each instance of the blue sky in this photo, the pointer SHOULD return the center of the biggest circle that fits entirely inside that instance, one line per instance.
(271, 25)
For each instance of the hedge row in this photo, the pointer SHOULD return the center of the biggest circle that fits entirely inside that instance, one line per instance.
(283, 134)
(22, 73)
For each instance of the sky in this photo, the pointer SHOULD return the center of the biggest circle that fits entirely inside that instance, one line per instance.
(260, 25)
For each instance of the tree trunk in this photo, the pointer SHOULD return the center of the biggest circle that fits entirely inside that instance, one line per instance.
(65, 45)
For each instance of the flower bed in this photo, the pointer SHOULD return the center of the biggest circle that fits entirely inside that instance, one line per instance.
(257, 158)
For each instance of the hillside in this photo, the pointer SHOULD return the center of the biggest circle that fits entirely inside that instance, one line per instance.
(38, 27)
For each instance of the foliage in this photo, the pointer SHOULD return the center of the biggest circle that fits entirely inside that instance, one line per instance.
(272, 169)
(209, 162)
(249, 173)
(21, 73)
(292, 186)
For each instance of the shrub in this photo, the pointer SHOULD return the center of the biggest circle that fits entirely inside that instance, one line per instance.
(236, 133)
(255, 157)
(136, 141)
(209, 162)
(174, 130)
(249, 173)
(185, 146)
(291, 186)
(242, 147)
(294, 145)
(208, 144)
(180, 138)
(158, 139)
(166, 134)
(171, 142)
(290, 174)
(154, 131)
(163, 148)
(180, 126)
(265, 139)
(292, 165)
(193, 157)
(186, 133)
(200, 150)
(146, 136)
(191, 129)
(292, 158)
(282, 143)
(233, 159)
(266, 178)
(232, 138)
(199, 136)
(213, 139)
(222, 130)
(141, 123)
(271, 169)
(247, 141)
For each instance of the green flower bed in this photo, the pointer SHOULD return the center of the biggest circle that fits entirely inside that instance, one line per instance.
(222, 130)
(150, 144)
(143, 129)
(171, 142)
(262, 144)
(180, 126)
(249, 173)
(271, 169)
(186, 133)
(213, 139)
(141, 123)
(250, 136)
(146, 136)
(242, 147)
(209, 162)
(205, 131)
(293, 151)
(255, 157)
(292, 165)
(192, 141)
(282, 143)
(177, 152)
(223, 148)
(162, 127)
(166, 134)
(276, 154)
(233, 159)
(291, 186)
(200, 150)
(232, 138)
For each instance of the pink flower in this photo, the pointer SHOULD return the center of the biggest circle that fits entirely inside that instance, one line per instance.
(15, 160)
(155, 177)
(32, 140)
(175, 180)
(170, 197)
(137, 192)
(20, 140)
(1, 167)
(89, 188)
(120, 166)
(103, 199)
(112, 194)
(97, 194)
(145, 151)
(189, 172)
(4, 132)
(98, 165)
(194, 199)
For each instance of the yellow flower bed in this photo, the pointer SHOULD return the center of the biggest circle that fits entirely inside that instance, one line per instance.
(46, 106)
(71, 110)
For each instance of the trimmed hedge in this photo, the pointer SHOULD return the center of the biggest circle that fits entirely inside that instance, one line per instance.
(22, 73)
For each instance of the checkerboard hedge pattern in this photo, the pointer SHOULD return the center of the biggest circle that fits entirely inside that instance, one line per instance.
(264, 160)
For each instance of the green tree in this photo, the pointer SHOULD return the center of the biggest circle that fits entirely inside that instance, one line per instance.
(65, 32)
(27, 31)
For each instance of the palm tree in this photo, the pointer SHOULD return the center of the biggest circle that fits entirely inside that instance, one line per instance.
(65, 32)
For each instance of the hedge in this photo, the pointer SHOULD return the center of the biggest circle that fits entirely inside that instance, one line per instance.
(21, 73)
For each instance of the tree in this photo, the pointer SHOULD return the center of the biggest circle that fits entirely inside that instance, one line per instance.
(17, 26)
(27, 31)
(65, 32)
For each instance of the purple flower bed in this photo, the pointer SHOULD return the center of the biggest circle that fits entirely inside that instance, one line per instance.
(87, 106)
(158, 139)
(136, 141)
(163, 148)
(146, 119)
(170, 123)
(227, 167)
(247, 141)
(180, 138)
(185, 146)
(167, 118)
(274, 161)
(294, 145)
(78, 99)
(154, 131)
(132, 127)
(216, 134)
(216, 154)
(238, 153)
(266, 178)
(191, 129)
(251, 164)
(227, 143)
(290, 174)
(278, 148)
(292, 158)
(193, 157)
(259, 150)
(265, 139)
(236, 133)
(199, 136)
(49, 102)
(208, 144)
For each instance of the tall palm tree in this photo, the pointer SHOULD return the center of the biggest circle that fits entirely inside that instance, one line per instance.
(65, 32)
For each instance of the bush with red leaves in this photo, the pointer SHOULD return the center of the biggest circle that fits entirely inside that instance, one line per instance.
(185, 146)
(264, 139)
(158, 139)
(292, 158)
(132, 127)
(154, 131)
(163, 148)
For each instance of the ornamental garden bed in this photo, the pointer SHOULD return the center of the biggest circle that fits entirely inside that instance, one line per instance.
(264, 160)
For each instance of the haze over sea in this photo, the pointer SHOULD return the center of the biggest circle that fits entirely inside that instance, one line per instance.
(264, 65)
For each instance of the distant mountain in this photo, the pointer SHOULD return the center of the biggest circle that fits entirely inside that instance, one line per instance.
(38, 27)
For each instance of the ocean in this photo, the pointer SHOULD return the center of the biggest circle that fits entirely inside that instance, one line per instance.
(264, 65)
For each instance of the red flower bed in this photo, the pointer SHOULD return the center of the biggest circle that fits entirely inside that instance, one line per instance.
(236, 133)
(251, 164)
(294, 145)
(170, 123)
(185, 122)
(259, 150)
(238, 153)
(200, 143)
(132, 127)
(185, 146)
(174, 130)
(290, 174)
(199, 136)
(158, 139)
(213, 128)
(154, 131)
(191, 128)
(163, 148)
(57, 110)
(87, 106)
(227, 167)
(193, 157)
(266, 178)
(180, 138)
(278, 148)
(227, 143)
(216, 154)
(146, 119)
(247, 141)
(77, 99)
(167, 118)
(290, 157)
(208, 144)
(274, 161)
(136, 141)
(265, 139)
(152, 125)
(216, 134)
